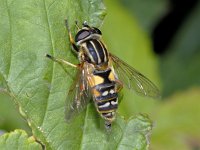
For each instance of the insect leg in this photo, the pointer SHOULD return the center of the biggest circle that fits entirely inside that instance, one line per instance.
(61, 61)
(70, 37)
(76, 23)
(119, 85)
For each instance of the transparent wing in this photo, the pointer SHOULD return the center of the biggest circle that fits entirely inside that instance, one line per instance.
(78, 96)
(133, 79)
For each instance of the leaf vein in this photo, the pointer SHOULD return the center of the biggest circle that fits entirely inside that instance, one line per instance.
(10, 38)
(52, 45)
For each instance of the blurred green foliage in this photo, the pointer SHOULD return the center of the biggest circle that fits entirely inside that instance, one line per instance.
(177, 122)
(10, 118)
(125, 31)
(148, 13)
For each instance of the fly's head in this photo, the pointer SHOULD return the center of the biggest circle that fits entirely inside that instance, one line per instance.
(87, 33)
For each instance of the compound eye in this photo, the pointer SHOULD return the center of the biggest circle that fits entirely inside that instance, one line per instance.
(81, 35)
(97, 31)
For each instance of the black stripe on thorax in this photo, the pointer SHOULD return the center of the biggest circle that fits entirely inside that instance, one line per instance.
(92, 52)
(102, 52)
(96, 51)
(106, 51)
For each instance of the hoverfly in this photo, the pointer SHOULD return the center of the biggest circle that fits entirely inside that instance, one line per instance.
(100, 75)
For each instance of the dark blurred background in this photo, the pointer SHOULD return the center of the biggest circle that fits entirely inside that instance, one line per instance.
(174, 29)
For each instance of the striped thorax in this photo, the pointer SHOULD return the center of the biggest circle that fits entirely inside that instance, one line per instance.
(90, 45)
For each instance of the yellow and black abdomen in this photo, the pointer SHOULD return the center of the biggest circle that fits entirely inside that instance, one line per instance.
(107, 102)
(104, 94)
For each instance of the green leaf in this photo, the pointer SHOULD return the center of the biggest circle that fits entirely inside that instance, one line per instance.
(18, 140)
(124, 135)
(10, 119)
(136, 133)
(29, 30)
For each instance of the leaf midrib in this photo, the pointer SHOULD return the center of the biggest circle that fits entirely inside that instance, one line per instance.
(10, 38)
(53, 67)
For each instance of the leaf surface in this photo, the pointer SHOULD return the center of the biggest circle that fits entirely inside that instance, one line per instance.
(18, 140)
(29, 30)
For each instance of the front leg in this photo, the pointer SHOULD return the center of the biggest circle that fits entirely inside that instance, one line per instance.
(70, 37)
(61, 61)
